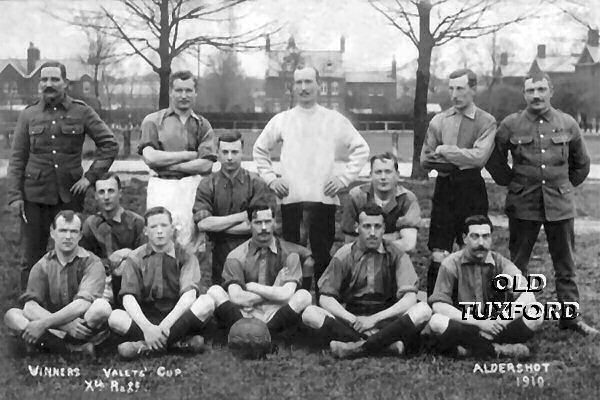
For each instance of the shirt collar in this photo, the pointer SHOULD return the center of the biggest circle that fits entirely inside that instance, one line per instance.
(118, 217)
(65, 103)
(360, 250)
(468, 112)
(466, 259)
(170, 250)
(399, 191)
(238, 175)
(170, 111)
(545, 115)
(254, 248)
(79, 253)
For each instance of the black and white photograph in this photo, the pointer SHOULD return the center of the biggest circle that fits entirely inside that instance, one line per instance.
(300, 199)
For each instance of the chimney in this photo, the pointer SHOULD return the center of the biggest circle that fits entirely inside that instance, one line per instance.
(394, 68)
(267, 43)
(592, 37)
(33, 56)
(504, 58)
(541, 51)
(291, 43)
(342, 44)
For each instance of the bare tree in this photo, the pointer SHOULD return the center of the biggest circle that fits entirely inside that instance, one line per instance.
(158, 31)
(466, 19)
(225, 80)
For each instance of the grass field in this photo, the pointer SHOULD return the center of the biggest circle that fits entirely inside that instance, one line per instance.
(299, 371)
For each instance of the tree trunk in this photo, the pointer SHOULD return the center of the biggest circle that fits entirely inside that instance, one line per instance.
(96, 83)
(165, 57)
(422, 88)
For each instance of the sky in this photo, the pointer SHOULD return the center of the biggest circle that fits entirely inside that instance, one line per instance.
(371, 42)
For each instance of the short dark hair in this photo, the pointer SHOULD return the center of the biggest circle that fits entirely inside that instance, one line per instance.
(384, 156)
(471, 76)
(156, 211)
(184, 76)
(259, 206)
(370, 209)
(230, 137)
(302, 66)
(109, 175)
(68, 215)
(477, 220)
(538, 76)
(56, 64)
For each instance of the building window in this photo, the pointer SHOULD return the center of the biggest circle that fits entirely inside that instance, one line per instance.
(87, 87)
(14, 89)
(324, 88)
(335, 106)
(335, 88)
(6, 87)
(380, 91)
(276, 107)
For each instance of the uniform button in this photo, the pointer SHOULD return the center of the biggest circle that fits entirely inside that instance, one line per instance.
(53, 151)
(541, 122)
(53, 122)
(543, 166)
(55, 165)
(54, 108)
(542, 136)
(543, 150)
(73, 131)
(543, 182)
(53, 137)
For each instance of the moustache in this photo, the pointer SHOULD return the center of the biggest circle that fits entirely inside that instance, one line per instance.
(480, 248)
(49, 90)
(304, 93)
(536, 100)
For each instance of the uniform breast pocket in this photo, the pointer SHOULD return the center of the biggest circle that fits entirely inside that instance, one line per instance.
(72, 137)
(521, 145)
(560, 146)
(35, 136)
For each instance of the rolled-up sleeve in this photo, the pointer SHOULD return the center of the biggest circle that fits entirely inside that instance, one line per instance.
(207, 147)
(131, 281)
(107, 147)
(37, 285)
(189, 278)
(233, 272)
(203, 207)
(330, 283)
(444, 285)
(407, 280)
(411, 211)
(93, 282)
(149, 135)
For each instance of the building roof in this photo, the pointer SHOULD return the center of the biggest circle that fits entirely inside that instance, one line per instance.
(329, 63)
(590, 54)
(76, 68)
(369, 76)
(555, 63)
(514, 68)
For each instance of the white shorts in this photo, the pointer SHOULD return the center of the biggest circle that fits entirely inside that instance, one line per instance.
(177, 196)
(263, 312)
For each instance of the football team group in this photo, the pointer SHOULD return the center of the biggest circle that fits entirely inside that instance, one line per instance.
(139, 278)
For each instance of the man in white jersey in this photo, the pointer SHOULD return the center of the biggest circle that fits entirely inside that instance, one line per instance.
(312, 138)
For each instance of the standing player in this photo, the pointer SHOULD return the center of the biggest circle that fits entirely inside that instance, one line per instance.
(160, 284)
(466, 276)
(549, 159)
(261, 278)
(112, 233)
(312, 137)
(63, 309)
(179, 147)
(368, 295)
(223, 198)
(458, 144)
(44, 171)
(401, 211)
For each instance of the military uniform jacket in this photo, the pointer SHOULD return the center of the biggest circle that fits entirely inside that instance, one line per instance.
(549, 159)
(46, 153)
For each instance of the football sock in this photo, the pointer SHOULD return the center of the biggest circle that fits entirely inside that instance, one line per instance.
(334, 329)
(284, 318)
(307, 282)
(134, 333)
(432, 274)
(517, 332)
(52, 343)
(187, 323)
(228, 314)
(400, 329)
(465, 335)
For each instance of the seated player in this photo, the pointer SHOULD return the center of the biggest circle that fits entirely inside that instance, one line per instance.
(261, 278)
(368, 295)
(222, 200)
(63, 309)
(159, 289)
(466, 275)
(401, 211)
(112, 233)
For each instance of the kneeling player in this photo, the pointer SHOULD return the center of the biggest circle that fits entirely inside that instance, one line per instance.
(261, 277)
(159, 288)
(378, 286)
(63, 308)
(466, 276)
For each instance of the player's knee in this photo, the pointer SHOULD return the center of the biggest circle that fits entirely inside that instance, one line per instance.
(14, 319)
(203, 306)
(218, 294)
(312, 317)
(98, 312)
(438, 323)
(420, 313)
(533, 324)
(300, 300)
(119, 321)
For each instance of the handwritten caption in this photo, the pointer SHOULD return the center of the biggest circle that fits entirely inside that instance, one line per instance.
(527, 375)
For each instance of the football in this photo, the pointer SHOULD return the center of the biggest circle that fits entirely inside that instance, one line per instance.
(249, 338)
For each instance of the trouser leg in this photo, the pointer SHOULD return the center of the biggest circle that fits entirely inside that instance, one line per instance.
(561, 245)
(321, 235)
(523, 235)
(291, 218)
